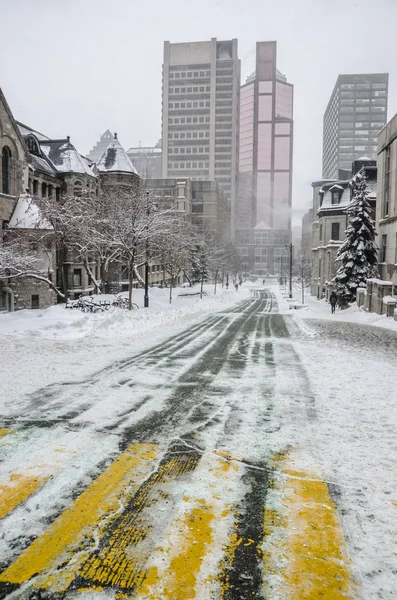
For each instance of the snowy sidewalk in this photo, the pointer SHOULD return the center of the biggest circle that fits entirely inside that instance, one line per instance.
(320, 309)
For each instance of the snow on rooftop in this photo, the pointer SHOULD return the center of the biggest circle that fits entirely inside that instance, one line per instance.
(25, 130)
(40, 164)
(27, 215)
(115, 159)
(65, 157)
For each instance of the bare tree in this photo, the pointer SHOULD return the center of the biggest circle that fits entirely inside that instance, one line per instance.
(136, 225)
(80, 226)
(302, 270)
(121, 226)
(18, 261)
(176, 249)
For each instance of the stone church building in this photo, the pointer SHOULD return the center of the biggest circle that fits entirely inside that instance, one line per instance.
(33, 165)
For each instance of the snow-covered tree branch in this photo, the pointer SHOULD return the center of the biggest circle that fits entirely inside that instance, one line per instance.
(357, 256)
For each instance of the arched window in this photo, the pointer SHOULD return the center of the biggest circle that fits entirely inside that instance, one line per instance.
(6, 169)
(78, 189)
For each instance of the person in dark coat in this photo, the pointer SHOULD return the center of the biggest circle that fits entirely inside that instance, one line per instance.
(333, 300)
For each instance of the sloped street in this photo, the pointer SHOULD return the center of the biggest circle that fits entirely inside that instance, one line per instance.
(239, 459)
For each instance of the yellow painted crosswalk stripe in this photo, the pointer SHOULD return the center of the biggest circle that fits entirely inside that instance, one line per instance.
(183, 561)
(304, 542)
(121, 561)
(69, 539)
(18, 488)
(4, 431)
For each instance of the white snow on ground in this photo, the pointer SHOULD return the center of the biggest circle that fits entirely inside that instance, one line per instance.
(41, 347)
(320, 309)
(350, 359)
(331, 387)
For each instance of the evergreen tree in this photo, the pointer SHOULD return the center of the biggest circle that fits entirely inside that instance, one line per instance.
(358, 253)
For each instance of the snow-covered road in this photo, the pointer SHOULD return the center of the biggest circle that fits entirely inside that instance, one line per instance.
(250, 455)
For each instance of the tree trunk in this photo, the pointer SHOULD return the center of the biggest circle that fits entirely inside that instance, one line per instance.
(202, 285)
(130, 282)
(216, 278)
(92, 276)
(188, 278)
(139, 278)
(171, 282)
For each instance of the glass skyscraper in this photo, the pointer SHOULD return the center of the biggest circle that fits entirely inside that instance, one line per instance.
(263, 205)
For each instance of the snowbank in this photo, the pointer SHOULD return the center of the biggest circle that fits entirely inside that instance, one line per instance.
(60, 323)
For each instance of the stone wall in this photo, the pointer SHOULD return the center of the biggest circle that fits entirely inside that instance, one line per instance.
(24, 289)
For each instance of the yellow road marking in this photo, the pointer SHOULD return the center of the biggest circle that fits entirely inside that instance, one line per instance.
(199, 532)
(305, 540)
(4, 432)
(121, 561)
(76, 526)
(179, 582)
(19, 488)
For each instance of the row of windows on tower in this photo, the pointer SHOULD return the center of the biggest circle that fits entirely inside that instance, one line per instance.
(45, 190)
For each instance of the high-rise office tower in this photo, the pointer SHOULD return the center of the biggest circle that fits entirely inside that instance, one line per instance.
(356, 112)
(201, 86)
(263, 206)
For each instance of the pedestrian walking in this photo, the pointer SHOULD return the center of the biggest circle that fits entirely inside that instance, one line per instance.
(263, 282)
(236, 286)
(333, 300)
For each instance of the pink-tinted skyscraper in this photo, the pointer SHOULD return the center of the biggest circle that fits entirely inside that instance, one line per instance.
(263, 204)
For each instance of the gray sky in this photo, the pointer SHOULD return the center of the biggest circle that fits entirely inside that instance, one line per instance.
(78, 67)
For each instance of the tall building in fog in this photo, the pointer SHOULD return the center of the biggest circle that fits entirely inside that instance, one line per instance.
(356, 112)
(200, 113)
(263, 205)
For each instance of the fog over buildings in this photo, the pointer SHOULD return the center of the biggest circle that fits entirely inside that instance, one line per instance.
(100, 64)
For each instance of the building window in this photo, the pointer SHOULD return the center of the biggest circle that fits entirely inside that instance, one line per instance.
(43, 190)
(35, 301)
(6, 169)
(387, 183)
(335, 197)
(57, 194)
(335, 227)
(383, 249)
(76, 278)
(35, 187)
(395, 252)
(32, 146)
(321, 233)
(77, 189)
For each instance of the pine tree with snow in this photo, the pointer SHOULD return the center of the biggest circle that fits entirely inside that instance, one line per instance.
(358, 253)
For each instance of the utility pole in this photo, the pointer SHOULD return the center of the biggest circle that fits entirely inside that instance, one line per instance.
(290, 268)
(146, 296)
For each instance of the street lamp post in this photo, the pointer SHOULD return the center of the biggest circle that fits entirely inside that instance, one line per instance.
(290, 268)
(146, 296)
